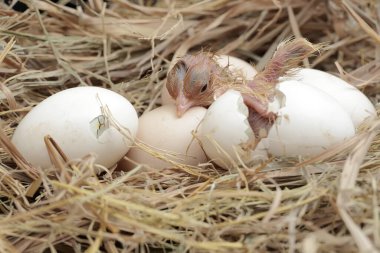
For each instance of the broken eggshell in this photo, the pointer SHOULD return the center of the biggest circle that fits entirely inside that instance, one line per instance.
(237, 66)
(225, 133)
(309, 122)
(76, 121)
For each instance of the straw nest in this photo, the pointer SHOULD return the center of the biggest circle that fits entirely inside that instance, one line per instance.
(329, 203)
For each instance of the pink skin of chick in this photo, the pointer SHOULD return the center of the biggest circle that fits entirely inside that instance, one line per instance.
(197, 80)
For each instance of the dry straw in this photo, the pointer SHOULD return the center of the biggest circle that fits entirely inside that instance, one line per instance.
(329, 203)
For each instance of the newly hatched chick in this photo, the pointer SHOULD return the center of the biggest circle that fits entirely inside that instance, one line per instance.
(197, 80)
(192, 79)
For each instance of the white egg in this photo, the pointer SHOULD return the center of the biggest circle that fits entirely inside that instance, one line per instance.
(164, 132)
(235, 65)
(349, 97)
(75, 120)
(309, 123)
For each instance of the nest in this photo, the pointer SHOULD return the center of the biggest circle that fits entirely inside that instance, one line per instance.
(329, 203)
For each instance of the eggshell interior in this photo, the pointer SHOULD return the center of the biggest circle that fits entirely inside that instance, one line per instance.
(74, 119)
(164, 132)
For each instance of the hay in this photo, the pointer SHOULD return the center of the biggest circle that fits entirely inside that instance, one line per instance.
(329, 203)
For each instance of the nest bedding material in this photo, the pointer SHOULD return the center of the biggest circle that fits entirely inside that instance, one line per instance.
(328, 203)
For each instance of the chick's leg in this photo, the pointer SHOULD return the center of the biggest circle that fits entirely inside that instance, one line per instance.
(259, 118)
(287, 57)
(260, 107)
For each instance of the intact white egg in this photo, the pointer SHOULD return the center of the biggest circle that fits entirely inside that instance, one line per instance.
(164, 132)
(75, 120)
(308, 123)
(349, 97)
(235, 65)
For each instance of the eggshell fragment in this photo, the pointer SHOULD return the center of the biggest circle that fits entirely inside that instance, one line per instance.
(349, 97)
(74, 119)
(164, 132)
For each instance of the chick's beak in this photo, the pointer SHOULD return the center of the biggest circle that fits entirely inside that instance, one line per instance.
(183, 104)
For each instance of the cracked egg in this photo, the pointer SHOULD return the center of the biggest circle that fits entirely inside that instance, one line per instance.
(308, 122)
(77, 121)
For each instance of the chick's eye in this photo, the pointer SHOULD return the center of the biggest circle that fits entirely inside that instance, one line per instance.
(204, 87)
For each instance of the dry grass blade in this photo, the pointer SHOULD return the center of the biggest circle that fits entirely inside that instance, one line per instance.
(27, 168)
(328, 203)
(347, 184)
(6, 49)
(361, 22)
